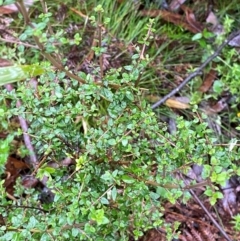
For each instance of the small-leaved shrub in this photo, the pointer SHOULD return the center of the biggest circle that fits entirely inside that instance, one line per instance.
(125, 159)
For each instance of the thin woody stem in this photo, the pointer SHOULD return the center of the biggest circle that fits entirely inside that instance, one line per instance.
(20, 5)
(197, 72)
(26, 137)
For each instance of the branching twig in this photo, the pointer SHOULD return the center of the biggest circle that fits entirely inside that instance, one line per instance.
(52, 60)
(141, 56)
(99, 24)
(26, 137)
(45, 10)
(22, 206)
(197, 71)
(48, 56)
(19, 42)
(146, 39)
(210, 216)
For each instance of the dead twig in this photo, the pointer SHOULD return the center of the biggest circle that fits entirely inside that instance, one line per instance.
(26, 137)
(19, 43)
(209, 215)
(197, 72)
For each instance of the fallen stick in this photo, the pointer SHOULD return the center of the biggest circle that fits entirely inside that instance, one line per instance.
(197, 72)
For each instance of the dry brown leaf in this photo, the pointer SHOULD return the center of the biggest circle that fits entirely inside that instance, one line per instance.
(235, 42)
(174, 18)
(29, 181)
(6, 10)
(190, 18)
(177, 104)
(12, 8)
(2, 221)
(208, 81)
(5, 62)
(79, 13)
(153, 235)
(12, 169)
(216, 27)
(218, 107)
(212, 18)
(176, 4)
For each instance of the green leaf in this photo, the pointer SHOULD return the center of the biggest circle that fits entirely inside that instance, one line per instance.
(135, 56)
(81, 161)
(112, 142)
(218, 169)
(218, 86)
(44, 237)
(114, 193)
(98, 216)
(219, 195)
(128, 179)
(208, 192)
(197, 36)
(75, 232)
(12, 74)
(49, 169)
(128, 67)
(129, 95)
(104, 200)
(154, 195)
(58, 94)
(32, 222)
(124, 142)
(7, 2)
